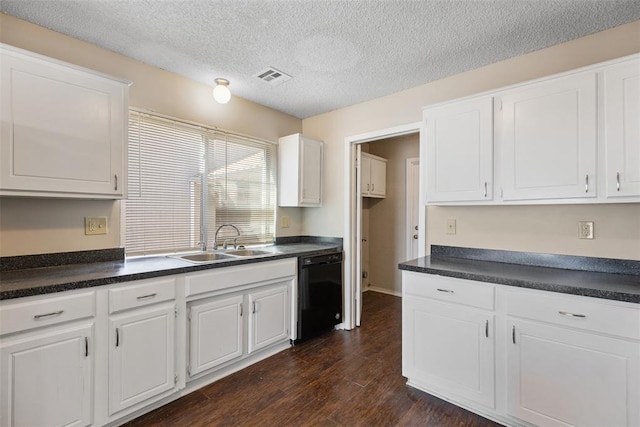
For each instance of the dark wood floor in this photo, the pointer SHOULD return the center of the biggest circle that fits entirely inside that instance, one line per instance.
(344, 378)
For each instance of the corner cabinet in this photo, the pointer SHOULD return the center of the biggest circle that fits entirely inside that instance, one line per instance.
(459, 150)
(63, 129)
(374, 176)
(300, 160)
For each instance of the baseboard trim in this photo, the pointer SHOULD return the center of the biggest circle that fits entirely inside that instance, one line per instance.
(383, 291)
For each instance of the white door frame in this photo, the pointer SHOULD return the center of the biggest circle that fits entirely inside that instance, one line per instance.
(352, 233)
(409, 190)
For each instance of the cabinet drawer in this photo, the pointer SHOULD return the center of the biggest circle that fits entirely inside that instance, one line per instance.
(458, 291)
(22, 316)
(142, 294)
(576, 312)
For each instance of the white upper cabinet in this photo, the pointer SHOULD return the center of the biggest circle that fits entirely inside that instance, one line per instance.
(300, 171)
(459, 147)
(63, 129)
(622, 129)
(548, 139)
(373, 175)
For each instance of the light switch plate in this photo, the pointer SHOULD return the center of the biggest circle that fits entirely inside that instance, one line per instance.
(284, 221)
(451, 226)
(95, 225)
(585, 229)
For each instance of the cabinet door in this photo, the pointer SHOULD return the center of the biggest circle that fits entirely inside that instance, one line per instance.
(559, 377)
(622, 129)
(215, 333)
(459, 147)
(311, 173)
(378, 178)
(141, 355)
(449, 348)
(548, 139)
(63, 129)
(269, 316)
(48, 379)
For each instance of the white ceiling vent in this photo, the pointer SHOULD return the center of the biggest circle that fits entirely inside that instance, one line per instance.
(273, 76)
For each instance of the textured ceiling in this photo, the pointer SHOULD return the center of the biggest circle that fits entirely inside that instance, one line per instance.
(339, 53)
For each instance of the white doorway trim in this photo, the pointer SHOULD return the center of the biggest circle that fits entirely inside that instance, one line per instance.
(352, 233)
(412, 172)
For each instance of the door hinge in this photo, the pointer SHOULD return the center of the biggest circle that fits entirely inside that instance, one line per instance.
(499, 104)
(189, 370)
(189, 315)
(175, 380)
(175, 312)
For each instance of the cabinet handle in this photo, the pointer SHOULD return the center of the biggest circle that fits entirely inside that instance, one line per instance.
(240, 310)
(116, 177)
(367, 187)
(566, 313)
(117, 338)
(42, 316)
(445, 290)
(485, 189)
(617, 181)
(513, 334)
(143, 297)
(586, 183)
(86, 347)
(373, 187)
(254, 308)
(486, 328)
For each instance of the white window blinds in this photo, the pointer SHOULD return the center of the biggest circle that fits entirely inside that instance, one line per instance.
(185, 181)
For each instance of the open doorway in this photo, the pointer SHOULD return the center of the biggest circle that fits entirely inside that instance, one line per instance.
(353, 217)
(384, 218)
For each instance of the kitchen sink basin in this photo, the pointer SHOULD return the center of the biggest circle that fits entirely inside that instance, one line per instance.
(205, 257)
(248, 252)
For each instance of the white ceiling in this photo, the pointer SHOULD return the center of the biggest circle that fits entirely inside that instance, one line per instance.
(339, 52)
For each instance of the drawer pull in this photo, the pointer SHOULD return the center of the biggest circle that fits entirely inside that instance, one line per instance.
(513, 334)
(565, 313)
(86, 347)
(486, 328)
(448, 291)
(586, 183)
(617, 181)
(117, 338)
(143, 297)
(485, 189)
(42, 316)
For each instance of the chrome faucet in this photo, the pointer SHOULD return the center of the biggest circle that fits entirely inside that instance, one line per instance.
(224, 246)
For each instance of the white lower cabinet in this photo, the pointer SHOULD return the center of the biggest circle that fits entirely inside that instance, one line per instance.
(215, 332)
(558, 377)
(141, 355)
(269, 317)
(540, 358)
(47, 378)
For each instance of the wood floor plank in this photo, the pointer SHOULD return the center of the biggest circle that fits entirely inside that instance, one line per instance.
(342, 378)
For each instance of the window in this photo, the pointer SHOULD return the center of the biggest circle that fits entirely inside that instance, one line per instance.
(185, 181)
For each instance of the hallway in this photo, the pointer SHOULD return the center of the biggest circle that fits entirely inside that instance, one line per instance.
(344, 378)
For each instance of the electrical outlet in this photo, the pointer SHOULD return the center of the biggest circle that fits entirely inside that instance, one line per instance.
(585, 229)
(95, 225)
(284, 222)
(451, 226)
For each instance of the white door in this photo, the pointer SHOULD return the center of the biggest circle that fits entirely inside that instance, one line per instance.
(413, 215)
(47, 380)
(363, 170)
(141, 355)
(215, 332)
(548, 139)
(268, 316)
(311, 173)
(560, 377)
(449, 347)
(459, 146)
(622, 129)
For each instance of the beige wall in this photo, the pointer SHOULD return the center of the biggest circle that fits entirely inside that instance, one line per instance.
(386, 218)
(545, 228)
(40, 226)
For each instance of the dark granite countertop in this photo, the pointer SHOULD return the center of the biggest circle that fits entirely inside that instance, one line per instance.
(36, 281)
(607, 285)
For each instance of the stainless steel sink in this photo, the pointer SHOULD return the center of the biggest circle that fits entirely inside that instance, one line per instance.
(205, 257)
(247, 252)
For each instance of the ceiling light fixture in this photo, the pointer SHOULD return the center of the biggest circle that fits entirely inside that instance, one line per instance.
(221, 92)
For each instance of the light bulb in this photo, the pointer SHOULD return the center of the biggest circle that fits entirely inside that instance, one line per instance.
(221, 92)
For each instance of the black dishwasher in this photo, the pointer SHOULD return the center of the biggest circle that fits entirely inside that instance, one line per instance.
(319, 294)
